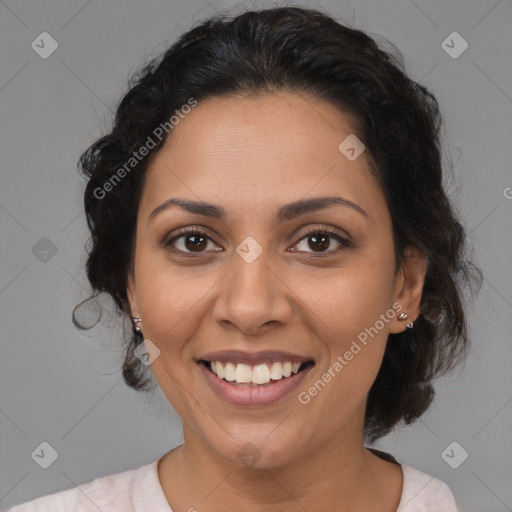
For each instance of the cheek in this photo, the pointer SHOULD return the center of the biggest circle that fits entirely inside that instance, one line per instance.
(344, 312)
(169, 299)
(344, 303)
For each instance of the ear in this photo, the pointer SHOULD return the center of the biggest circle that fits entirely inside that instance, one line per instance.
(409, 287)
(132, 296)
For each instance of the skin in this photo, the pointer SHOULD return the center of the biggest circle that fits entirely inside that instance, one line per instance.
(250, 156)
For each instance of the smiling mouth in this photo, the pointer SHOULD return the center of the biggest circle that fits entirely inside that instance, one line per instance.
(260, 375)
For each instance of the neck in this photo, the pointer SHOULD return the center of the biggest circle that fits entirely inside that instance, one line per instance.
(339, 475)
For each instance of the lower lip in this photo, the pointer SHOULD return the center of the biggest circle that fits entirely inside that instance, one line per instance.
(261, 395)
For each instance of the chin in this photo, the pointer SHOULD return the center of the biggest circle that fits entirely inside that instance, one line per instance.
(257, 451)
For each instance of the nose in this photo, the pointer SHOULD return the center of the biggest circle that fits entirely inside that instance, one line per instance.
(253, 297)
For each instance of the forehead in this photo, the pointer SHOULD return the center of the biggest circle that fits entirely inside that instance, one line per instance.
(258, 152)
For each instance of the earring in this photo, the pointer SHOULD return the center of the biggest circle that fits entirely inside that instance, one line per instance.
(135, 321)
(404, 316)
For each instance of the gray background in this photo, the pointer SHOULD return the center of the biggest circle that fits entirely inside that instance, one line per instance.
(64, 387)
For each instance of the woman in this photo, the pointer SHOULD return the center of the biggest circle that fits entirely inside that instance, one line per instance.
(269, 211)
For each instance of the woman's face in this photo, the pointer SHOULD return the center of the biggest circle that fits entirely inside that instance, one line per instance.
(257, 281)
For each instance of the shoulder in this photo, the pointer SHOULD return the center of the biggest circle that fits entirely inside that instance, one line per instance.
(108, 493)
(422, 492)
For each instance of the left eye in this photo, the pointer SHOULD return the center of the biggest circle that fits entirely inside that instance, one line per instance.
(321, 239)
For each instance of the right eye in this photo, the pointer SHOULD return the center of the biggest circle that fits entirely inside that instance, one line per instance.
(193, 241)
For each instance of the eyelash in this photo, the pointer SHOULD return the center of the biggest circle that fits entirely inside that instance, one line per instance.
(331, 232)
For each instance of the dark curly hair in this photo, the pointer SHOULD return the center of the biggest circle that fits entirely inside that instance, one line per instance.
(302, 50)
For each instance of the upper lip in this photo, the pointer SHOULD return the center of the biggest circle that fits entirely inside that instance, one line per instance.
(253, 358)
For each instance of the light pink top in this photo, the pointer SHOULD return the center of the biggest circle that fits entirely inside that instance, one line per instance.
(139, 490)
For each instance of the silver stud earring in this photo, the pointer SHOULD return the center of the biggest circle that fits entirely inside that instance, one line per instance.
(135, 321)
(404, 316)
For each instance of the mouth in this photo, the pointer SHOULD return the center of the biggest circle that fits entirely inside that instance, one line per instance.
(257, 379)
(255, 376)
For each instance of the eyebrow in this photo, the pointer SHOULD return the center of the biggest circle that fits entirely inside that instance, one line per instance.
(285, 213)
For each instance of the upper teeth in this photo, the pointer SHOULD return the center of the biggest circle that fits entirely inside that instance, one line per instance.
(259, 374)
